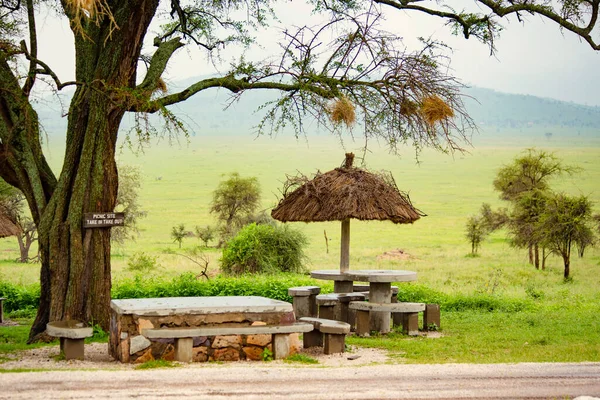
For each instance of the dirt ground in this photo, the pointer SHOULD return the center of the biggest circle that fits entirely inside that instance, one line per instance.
(97, 358)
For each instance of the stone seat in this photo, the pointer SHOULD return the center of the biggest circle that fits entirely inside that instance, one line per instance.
(72, 336)
(405, 314)
(304, 300)
(335, 306)
(327, 333)
(184, 336)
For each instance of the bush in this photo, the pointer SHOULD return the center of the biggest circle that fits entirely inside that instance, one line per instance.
(23, 298)
(142, 262)
(264, 249)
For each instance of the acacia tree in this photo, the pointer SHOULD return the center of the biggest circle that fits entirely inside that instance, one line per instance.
(566, 221)
(387, 85)
(235, 200)
(524, 183)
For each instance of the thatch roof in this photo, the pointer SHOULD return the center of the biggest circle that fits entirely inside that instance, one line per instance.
(343, 193)
(7, 227)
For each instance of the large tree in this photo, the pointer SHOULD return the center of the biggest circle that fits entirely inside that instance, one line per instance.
(398, 96)
(524, 183)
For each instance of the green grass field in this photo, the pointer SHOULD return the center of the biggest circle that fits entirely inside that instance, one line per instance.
(177, 185)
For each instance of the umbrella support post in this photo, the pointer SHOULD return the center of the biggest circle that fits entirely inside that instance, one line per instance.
(345, 247)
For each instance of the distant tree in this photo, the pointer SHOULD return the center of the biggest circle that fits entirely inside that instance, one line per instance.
(477, 231)
(128, 203)
(206, 234)
(234, 201)
(522, 183)
(566, 221)
(178, 233)
(12, 204)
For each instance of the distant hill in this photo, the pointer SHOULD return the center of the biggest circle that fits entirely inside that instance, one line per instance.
(213, 112)
(504, 110)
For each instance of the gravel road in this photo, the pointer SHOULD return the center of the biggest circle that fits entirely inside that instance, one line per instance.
(280, 381)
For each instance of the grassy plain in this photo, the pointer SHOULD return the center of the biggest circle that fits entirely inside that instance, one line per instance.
(178, 181)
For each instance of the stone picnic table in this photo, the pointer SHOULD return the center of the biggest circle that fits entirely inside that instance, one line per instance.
(131, 318)
(380, 288)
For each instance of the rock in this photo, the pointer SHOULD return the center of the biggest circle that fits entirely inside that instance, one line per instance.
(138, 343)
(144, 324)
(226, 354)
(227, 341)
(200, 354)
(253, 353)
(147, 356)
(258, 340)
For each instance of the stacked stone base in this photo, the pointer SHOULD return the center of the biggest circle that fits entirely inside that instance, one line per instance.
(217, 348)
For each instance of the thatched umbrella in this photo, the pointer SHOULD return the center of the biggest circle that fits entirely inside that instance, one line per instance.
(344, 193)
(7, 227)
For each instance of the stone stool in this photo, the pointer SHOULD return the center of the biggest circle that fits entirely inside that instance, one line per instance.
(304, 300)
(72, 335)
(335, 306)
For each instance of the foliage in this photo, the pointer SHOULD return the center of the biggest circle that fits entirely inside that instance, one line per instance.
(235, 200)
(300, 358)
(476, 232)
(525, 184)
(566, 221)
(178, 233)
(19, 297)
(264, 249)
(206, 234)
(154, 364)
(142, 262)
(266, 355)
(128, 203)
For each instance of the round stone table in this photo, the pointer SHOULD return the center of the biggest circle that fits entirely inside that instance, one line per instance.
(380, 288)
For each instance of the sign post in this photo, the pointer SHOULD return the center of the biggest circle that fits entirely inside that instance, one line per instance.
(103, 220)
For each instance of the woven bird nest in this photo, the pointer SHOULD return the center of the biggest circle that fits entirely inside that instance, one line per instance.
(343, 193)
(342, 111)
(433, 109)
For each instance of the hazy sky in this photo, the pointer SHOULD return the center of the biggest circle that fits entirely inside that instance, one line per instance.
(533, 58)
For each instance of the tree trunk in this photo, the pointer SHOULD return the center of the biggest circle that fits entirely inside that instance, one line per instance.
(567, 262)
(531, 254)
(75, 273)
(24, 246)
(536, 255)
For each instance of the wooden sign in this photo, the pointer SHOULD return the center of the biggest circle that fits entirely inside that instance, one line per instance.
(103, 220)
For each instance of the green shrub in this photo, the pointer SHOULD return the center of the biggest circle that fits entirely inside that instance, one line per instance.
(142, 262)
(264, 249)
(23, 298)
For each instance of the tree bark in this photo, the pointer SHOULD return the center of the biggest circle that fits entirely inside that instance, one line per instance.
(567, 263)
(76, 269)
(536, 255)
(530, 254)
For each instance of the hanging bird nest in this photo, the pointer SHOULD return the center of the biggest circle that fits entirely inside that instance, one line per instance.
(408, 108)
(343, 193)
(434, 109)
(342, 110)
(93, 10)
(161, 86)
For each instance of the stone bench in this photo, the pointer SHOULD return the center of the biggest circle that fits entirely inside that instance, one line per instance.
(327, 333)
(334, 306)
(405, 314)
(304, 300)
(184, 336)
(72, 336)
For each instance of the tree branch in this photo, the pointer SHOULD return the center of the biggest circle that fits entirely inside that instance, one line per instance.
(159, 62)
(46, 70)
(33, 41)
